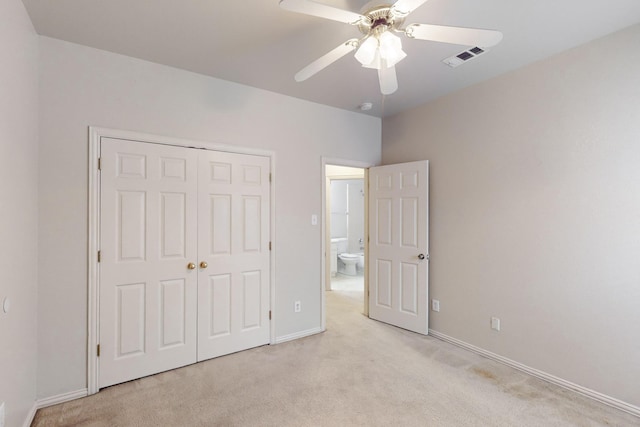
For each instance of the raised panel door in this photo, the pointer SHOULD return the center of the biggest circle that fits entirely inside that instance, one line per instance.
(399, 235)
(233, 224)
(148, 236)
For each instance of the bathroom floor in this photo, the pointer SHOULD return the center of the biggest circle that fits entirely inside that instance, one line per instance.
(347, 283)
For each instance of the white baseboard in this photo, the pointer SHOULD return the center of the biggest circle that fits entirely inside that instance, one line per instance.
(31, 415)
(603, 398)
(61, 398)
(295, 336)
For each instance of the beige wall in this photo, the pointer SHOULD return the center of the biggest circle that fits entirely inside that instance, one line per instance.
(535, 212)
(18, 210)
(83, 87)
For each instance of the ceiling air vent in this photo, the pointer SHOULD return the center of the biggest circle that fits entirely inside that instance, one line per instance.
(465, 56)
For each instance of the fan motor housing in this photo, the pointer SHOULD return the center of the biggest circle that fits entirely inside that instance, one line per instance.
(379, 16)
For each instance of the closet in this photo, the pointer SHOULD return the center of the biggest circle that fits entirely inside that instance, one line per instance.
(184, 256)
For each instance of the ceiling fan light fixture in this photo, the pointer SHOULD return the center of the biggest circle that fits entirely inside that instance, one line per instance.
(379, 51)
(367, 51)
(393, 57)
(391, 48)
(376, 63)
(389, 42)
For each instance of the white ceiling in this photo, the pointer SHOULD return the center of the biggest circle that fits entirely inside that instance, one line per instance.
(256, 43)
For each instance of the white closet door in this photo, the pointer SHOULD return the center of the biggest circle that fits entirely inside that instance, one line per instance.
(148, 296)
(233, 241)
(399, 244)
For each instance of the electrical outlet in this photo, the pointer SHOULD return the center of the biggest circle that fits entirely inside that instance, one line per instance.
(296, 307)
(495, 323)
(2, 414)
(435, 305)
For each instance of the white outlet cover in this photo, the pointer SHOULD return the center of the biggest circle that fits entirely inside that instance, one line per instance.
(314, 219)
(435, 305)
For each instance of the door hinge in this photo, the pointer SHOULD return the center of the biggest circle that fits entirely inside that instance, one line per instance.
(269, 245)
(269, 314)
(269, 177)
(98, 350)
(99, 256)
(99, 163)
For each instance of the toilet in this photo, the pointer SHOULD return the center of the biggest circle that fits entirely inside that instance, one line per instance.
(345, 263)
(349, 261)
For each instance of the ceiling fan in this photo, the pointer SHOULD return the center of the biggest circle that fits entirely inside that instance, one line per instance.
(380, 48)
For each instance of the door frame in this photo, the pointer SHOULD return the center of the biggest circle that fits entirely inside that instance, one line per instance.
(326, 239)
(93, 245)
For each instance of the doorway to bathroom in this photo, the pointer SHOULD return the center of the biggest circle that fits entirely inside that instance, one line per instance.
(345, 231)
(396, 243)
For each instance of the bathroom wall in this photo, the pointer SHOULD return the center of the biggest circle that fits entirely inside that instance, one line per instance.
(347, 211)
(355, 231)
(339, 207)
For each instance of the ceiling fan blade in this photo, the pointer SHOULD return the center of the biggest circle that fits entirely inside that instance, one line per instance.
(310, 7)
(454, 35)
(388, 80)
(405, 7)
(326, 60)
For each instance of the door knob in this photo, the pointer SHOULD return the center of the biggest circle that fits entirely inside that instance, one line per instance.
(191, 266)
(421, 256)
(204, 264)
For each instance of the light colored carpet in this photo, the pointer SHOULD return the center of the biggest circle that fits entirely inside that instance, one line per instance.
(359, 372)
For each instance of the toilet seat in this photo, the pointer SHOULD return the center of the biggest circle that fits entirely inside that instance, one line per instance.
(348, 256)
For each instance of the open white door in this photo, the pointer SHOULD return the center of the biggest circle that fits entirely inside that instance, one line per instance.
(398, 245)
